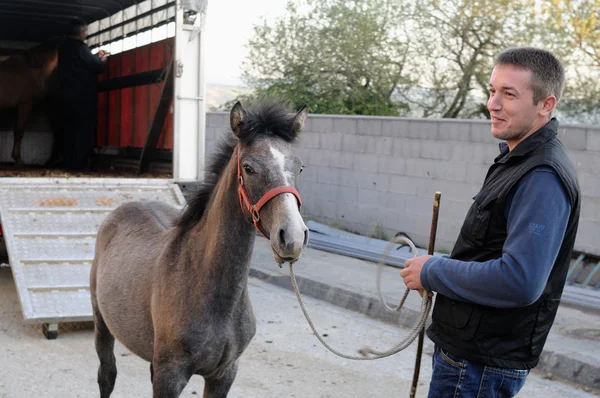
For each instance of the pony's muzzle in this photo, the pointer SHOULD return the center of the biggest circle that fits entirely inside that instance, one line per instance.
(290, 239)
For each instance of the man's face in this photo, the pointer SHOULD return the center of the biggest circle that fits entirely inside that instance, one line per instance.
(513, 113)
(83, 33)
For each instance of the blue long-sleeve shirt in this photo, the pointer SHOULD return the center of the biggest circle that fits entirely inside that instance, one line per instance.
(537, 211)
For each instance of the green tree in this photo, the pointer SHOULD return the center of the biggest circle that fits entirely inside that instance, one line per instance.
(454, 53)
(573, 33)
(337, 56)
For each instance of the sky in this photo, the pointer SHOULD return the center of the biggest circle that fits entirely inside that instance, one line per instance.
(228, 27)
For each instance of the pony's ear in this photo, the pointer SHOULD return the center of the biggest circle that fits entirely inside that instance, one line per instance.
(237, 118)
(299, 119)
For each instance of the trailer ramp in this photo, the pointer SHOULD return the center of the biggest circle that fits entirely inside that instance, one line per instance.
(50, 227)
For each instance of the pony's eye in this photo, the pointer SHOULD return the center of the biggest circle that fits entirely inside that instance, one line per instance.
(301, 168)
(248, 169)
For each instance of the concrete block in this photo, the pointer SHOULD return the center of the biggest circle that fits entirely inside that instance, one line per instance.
(220, 120)
(573, 137)
(347, 194)
(318, 157)
(392, 200)
(379, 182)
(328, 175)
(310, 173)
(586, 162)
(455, 131)
(420, 167)
(415, 225)
(323, 191)
(435, 150)
(302, 153)
(355, 143)
(347, 211)
(390, 220)
(452, 211)
(406, 147)
(309, 140)
(344, 125)
(365, 162)
(382, 145)
(331, 141)
(482, 132)
(452, 170)
(391, 165)
(423, 129)
(367, 214)
(321, 124)
(453, 190)
(321, 208)
(418, 205)
(342, 160)
(395, 128)
(369, 196)
(427, 187)
(369, 126)
(209, 133)
(593, 141)
(475, 172)
(475, 152)
(587, 236)
(348, 178)
(403, 185)
(590, 209)
(589, 185)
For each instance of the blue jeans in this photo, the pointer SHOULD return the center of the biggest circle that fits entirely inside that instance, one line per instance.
(454, 377)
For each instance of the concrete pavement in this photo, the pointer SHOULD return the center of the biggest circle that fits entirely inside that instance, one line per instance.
(572, 351)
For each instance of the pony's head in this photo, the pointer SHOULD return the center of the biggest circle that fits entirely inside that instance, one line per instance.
(268, 172)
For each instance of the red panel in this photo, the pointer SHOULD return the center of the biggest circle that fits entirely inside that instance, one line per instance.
(114, 103)
(141, 111)
(126, 127)
(124, 116)
(102, 112)
(157, 61)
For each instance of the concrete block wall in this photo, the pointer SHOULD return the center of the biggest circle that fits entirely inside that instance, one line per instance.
(378, 175)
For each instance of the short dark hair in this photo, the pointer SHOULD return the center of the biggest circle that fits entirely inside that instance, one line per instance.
(76, 25)
(548, 74)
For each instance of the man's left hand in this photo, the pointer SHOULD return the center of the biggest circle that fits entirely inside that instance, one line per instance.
(412, 272)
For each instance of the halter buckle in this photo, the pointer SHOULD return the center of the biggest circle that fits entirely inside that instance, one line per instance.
(255, 215)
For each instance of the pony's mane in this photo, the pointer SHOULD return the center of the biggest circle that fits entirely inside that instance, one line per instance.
(36, 56)
(267, 119)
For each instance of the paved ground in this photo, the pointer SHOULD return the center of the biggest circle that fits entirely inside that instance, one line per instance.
(572, 350)
(283, 360)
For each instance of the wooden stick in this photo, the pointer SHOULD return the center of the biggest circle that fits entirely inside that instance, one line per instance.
(432, 235)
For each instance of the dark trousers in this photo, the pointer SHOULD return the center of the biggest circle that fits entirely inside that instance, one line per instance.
(80, 118)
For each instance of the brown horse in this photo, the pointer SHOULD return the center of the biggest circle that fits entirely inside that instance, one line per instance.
(24, 83)
(173, 287)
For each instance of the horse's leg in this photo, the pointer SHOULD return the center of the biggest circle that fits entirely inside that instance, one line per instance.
(219, 387)
(169, 378)
(105, 344)
(23, 111)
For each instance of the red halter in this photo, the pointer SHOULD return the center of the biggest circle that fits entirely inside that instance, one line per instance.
(254, 209)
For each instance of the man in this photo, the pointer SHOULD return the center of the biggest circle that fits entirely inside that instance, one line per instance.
(499, 290)
(77, 70)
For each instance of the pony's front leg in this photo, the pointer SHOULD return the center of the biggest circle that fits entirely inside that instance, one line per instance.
(169, 378)
(218, 387)
(23, 111)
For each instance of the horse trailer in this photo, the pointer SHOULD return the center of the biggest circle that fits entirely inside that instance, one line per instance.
(149, 140)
